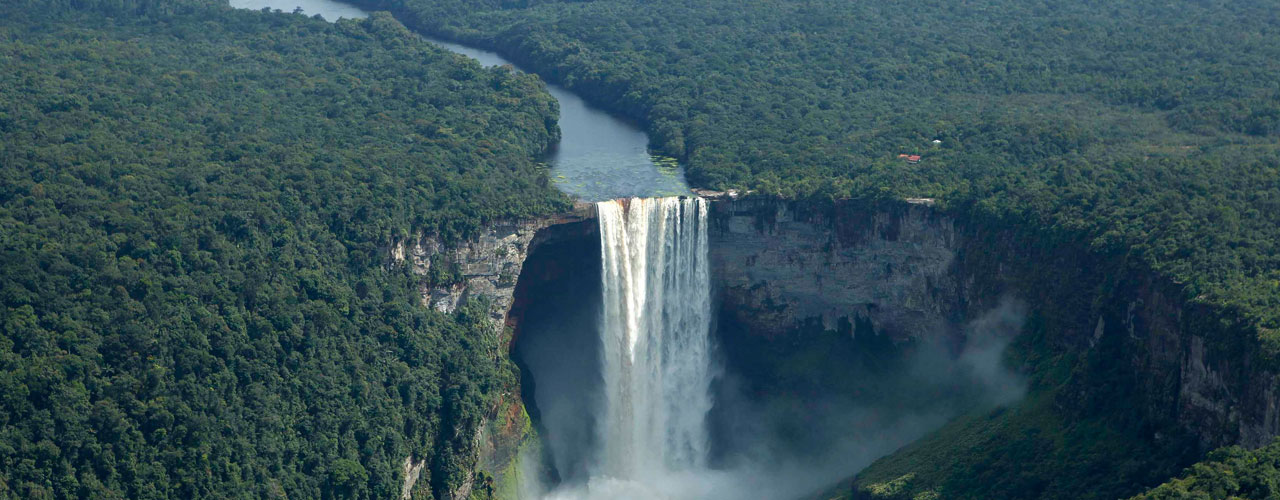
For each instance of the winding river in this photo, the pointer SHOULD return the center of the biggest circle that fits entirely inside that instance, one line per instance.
(599, 157)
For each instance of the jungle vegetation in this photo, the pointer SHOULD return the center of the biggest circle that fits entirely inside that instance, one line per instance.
(195, 291)
(1144, 128)
(1232, 473)
(195, 201)
(1145, 132)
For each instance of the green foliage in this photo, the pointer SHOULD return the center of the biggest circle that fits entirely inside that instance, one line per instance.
(1227, 474)
(897, 490)
(347, 477)
(1142, 131)
(194, 213)
(1028, 451)
(1077, 435)
(1138, 127)
(893, 489)
(157, 8)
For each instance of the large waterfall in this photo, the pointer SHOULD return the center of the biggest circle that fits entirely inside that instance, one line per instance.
(655, 337)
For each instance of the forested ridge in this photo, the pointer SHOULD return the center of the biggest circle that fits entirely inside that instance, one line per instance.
(1143, 132)
(195, 203)
(1142, 128)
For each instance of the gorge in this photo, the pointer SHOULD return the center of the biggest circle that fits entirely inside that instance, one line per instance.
(841, 331)
(1004, 250)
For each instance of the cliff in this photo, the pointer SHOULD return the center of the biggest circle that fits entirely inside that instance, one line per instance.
(484, 267)
(781, 263)
(1103, 336)
(1104, 339)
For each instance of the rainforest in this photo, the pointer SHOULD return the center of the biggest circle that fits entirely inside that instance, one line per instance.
(776, 249)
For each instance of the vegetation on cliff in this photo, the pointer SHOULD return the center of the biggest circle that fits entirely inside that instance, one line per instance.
(194, 292)
(194, 200)
(1141, 128)
(1029, 450)
(1143, 132)
(1229, 473)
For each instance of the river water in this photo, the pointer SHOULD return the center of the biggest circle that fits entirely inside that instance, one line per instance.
(599, 157)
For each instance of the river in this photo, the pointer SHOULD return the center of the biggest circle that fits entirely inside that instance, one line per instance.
(599, 157)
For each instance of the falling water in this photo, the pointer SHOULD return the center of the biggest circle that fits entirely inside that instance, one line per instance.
(655, 333)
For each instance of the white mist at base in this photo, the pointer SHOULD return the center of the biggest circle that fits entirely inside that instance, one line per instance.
(653, 421)
(672, 486)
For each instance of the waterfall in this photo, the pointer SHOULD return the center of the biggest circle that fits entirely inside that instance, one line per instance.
(655, 334)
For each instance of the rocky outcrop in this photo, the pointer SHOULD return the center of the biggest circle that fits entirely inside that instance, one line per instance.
(488, 265)
(785, 263)
(411, 470)
(911, 270)
(908, 270)
(483, 267)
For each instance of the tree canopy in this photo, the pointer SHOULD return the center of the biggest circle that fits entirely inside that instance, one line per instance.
(1142, 128)
(1143, 132)
(195, 205)
(1231, 473)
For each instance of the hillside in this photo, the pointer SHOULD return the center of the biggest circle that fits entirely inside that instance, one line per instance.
(195, 204)
(1144, 129)
(1141, 134)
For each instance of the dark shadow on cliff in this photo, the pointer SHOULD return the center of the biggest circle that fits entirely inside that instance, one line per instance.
(557, 345)
(807, 407)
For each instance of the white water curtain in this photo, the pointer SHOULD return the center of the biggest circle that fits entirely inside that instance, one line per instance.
(656, 338)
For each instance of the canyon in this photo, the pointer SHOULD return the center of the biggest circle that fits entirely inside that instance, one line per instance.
(791, 279)
(947, 263)
(814, 298)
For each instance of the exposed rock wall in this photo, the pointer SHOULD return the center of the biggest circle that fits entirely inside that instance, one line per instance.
(1185, 365)
(485, 267)
(1203, 366)
(412, 470)
(912, 271)
(488, 265)
(789, 262)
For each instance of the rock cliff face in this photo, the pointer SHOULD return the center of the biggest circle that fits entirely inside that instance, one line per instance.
(911, 271)
(1203, 367)
(487, 265)
(483, 267)
(783, 263)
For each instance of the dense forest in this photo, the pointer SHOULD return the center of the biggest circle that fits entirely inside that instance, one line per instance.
(1143, 127)
(1230, 473)
(195, 202)
(1144, 131)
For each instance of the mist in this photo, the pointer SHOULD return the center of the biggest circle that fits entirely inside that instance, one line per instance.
(558, 350)
(790, 445)
(767, 443)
